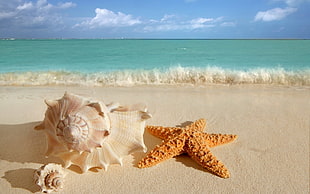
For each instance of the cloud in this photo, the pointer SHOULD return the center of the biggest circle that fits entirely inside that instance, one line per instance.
(173, 23)
(293, 3)
(228, 24)
(279, 13)
(107, 18)
(5, 15)
(167, 17)
(25, 6)
(66, 5)
(201, 23)
(274, 14)
(32, 14)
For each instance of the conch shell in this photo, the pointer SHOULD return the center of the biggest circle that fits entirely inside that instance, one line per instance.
(90, 134)
(50, 177)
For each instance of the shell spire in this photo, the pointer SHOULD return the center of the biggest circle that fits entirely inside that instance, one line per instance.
(90, 134)
(50, 177)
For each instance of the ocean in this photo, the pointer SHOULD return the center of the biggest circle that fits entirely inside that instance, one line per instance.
(130, 62)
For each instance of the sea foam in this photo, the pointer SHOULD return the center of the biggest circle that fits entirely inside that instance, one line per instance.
(172, 76)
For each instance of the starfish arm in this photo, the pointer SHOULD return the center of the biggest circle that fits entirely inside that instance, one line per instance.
(166, 132)
(166, 150)
(218, 139)
(201, 153)
(198, 125)
(163, 132)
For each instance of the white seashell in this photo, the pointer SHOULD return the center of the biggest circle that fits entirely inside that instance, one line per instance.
(89, 134)
(50, 177)
(74, 123)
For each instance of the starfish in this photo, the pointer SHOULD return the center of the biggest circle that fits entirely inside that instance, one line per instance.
(191, 140)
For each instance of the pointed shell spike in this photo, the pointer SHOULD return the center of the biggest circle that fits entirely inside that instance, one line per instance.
(50, 103)
(113, 105)
(40, 126)
(145, 115)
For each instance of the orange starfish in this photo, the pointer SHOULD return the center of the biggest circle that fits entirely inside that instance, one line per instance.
(191, 140)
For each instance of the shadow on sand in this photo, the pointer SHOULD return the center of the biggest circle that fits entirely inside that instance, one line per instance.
(22, 178)
(150, 142)
(22, 144)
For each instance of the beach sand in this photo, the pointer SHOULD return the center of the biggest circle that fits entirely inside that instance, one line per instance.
(271, 154)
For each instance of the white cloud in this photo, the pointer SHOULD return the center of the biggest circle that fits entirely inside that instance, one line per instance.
(6, 15)
(201, 20)
(107, 18)
(201, 23)
(279, 13)
(293, 3)
(41, 3)
(171, 23)
(274, 14)
(66, 5)
(167, 17)
(228, 24)
(25, 6)
(32, 14)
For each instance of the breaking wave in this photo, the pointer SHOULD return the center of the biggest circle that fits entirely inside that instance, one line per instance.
(172, 76)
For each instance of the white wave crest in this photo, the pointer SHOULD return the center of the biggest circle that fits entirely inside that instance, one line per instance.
(173, 76)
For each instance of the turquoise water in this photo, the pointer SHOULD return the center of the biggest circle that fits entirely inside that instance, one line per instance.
(154, 62)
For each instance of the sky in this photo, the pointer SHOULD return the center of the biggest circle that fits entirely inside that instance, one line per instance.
(155, 19)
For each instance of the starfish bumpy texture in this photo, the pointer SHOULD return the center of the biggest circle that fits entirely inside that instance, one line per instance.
(191, 140)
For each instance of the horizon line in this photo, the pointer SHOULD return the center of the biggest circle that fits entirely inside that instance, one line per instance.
(122, 38)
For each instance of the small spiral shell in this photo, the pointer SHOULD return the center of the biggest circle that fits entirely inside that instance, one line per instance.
(50, 177)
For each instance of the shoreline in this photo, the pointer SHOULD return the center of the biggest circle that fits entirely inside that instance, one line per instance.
(271, 153)
(175, 77)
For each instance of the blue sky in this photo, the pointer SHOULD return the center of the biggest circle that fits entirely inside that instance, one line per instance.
(155, 19)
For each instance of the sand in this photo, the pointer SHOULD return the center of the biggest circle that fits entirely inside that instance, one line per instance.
(271, 154)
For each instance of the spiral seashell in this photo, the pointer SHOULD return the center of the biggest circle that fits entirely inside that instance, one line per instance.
(74, 123)
(90, 134)
(50, 177)
(83, 130)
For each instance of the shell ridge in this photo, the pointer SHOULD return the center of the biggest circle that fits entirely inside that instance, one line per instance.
(110, 155)
(127, 129)
(102, 160)
(79, 160)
